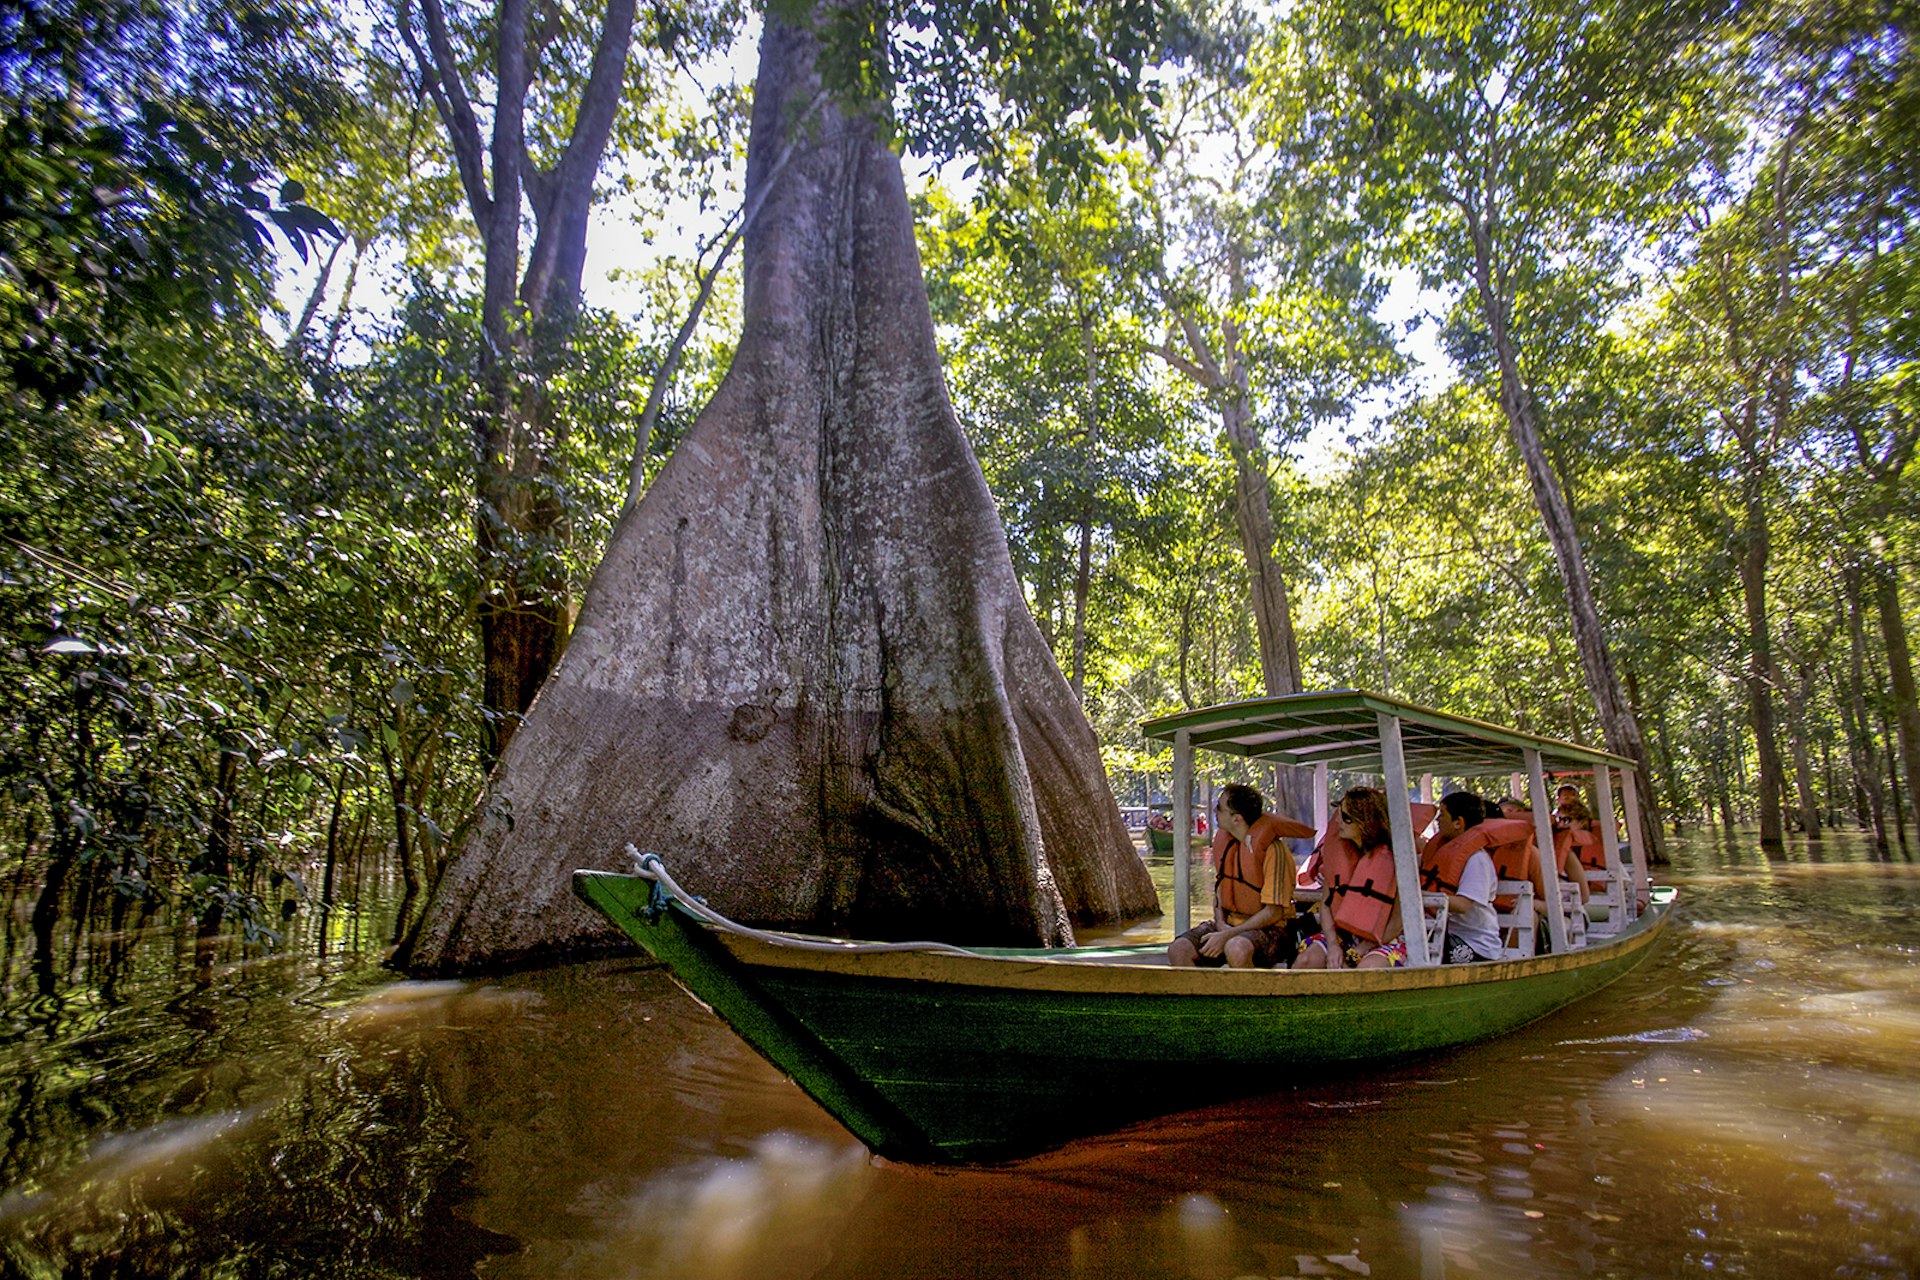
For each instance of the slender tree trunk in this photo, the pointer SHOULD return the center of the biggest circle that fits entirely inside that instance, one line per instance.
(1760, 678)
(1223, 372)
(1089, 478)
(670, 366)
(805, 670)
(1894, 790)
(1866, 769)
(1662, 751)
(314, 297)
(1906, 705)
(337, 325)
(1802, 762)
(333, 858)
(520, 526)
(403, 844)
(1556, 516)
(46, 907)
(220, 829)
(1188, 600)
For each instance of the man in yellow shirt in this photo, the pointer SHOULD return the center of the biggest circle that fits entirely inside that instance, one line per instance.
(1253, 887)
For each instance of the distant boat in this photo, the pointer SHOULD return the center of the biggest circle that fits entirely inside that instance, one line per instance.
(931, 1052)
(1159, 841)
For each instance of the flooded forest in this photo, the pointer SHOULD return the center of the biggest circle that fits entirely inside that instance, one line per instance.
(1551, 366)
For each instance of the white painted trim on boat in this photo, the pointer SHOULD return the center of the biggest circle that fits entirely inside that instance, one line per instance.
(1406, 858)
(1182, 798)
(1642, 845)
(1543, 836)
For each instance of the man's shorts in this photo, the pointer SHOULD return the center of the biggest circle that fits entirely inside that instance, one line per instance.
(1456, 950)
(1271, 946)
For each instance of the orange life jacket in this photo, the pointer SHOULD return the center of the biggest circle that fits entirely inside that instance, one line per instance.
(1592, 856)
(1508, 841)
(1515, 857)
(1317, 870)
(1420, 813)
(1443, 862)
(1364, 897)
(1239, 869)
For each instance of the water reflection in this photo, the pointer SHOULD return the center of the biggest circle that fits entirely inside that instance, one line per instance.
(1746, 1102)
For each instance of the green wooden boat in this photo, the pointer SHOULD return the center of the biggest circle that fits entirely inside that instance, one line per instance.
(1159, 841)
(930, 1052)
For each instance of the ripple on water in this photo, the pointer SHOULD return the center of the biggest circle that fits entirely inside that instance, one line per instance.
(1662, 1035)
(142, 1166)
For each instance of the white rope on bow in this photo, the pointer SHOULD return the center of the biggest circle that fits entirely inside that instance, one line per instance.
(649, 866)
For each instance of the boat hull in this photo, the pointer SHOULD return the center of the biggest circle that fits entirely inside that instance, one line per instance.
(992, 1054)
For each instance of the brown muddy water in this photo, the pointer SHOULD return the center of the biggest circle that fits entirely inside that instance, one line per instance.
(1746, 1104)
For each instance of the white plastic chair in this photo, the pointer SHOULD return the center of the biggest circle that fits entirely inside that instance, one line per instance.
(1434, 907)
(1606, 888)
(1516, 923)
(1574, 911)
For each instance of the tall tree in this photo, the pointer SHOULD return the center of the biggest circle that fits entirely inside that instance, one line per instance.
(1270, 303)
(1516, 155)
(805, 664)
(539, 152)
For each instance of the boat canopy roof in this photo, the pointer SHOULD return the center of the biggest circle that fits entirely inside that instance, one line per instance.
(1341, 728)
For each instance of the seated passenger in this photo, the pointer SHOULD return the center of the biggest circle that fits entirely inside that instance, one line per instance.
(1459, 866)
(1362, 909)
(1577, 850)
(1252, 888)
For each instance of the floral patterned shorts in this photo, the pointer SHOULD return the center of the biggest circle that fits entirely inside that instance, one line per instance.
(1358, 949)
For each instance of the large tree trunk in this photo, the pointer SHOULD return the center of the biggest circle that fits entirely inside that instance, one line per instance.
(805, 671)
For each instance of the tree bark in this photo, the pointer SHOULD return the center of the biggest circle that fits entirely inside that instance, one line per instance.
(298, 333)
(1906, 706)
(805, 671)
(1866, 769)
(1089, 478)
(1755, 546)
(524, 611)
(1799, 698)
(1224, 374)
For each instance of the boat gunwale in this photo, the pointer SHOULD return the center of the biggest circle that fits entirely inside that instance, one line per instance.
(1036, 970)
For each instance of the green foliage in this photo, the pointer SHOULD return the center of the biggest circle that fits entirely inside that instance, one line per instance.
(1048, 327)
(987, 80)
(136, 142)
